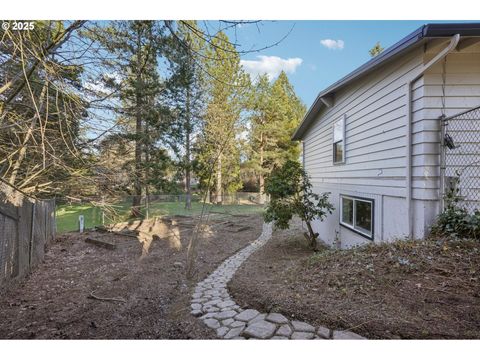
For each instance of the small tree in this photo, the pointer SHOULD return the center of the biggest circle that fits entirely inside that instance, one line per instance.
(291, 194)
(376, 50)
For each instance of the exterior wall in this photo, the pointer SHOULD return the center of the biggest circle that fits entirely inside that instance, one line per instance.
(375, 143)
(374, 147)
(462, 92)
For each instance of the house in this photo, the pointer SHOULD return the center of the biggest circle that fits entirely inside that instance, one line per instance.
(385, 140)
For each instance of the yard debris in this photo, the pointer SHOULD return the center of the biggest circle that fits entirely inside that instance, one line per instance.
(407, 289)
(95, 297)
(156, 293)
(101, 243)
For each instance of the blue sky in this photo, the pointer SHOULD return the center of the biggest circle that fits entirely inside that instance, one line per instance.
(311, 65)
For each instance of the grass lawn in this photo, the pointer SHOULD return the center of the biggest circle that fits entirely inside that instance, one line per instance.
(67, 215)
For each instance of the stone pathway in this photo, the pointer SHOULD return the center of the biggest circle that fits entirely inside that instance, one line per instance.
(214, 306)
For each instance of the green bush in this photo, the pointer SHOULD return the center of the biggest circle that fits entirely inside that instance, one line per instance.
(291, 194)
(456, 221)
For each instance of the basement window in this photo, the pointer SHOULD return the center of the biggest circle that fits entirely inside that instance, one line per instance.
(357, 214)
(339, 141)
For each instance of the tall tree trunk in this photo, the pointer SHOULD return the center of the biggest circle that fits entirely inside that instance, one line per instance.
(188, 186)
(147, 149)
(261, 178)
(138, 139)
(219, 180)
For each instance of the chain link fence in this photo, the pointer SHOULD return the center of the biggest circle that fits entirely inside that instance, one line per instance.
(461, 158)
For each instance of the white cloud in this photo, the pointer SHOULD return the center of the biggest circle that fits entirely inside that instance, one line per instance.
(270, 65)
(333, 44)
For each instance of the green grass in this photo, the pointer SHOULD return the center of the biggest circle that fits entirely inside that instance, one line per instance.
(67, 215)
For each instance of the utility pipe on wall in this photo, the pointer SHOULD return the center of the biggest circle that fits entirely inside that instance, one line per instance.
(442, 54)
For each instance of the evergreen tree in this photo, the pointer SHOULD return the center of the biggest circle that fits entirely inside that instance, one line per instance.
(137, 46)
(186, 92)
(276, 112)
(217, 148)
(377, 49)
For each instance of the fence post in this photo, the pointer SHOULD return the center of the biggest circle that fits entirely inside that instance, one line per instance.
(32, 233)
(442, 163)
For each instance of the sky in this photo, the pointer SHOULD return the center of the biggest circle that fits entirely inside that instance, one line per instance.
(315, 54)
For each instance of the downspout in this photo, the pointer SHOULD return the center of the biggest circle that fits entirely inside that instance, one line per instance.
(453, 44)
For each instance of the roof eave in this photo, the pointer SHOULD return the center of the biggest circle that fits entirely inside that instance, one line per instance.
(405, 44)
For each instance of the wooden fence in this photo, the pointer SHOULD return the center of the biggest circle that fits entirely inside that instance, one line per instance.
(27, 227)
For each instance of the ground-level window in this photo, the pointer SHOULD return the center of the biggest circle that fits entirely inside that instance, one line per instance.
(339, 141)
(357, 214)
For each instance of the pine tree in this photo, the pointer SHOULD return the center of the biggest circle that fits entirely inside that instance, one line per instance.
(186, 91)
(276, 112)
(136, 46)
(377, 49)
(217, 150)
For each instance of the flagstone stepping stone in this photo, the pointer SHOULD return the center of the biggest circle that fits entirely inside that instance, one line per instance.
(284, 330)
(276, 318)
(225, 314)
(222, 331)
(212, 323)
(300, 335)
(227, 303)
(260, 330)
(234, 333)
(212, 303)
(196, 306)
(227, 322)
(237, 324)
(208, 315)
(323, 332)
(247, 315)
(302, 326)
(257, 318)
(196, 313)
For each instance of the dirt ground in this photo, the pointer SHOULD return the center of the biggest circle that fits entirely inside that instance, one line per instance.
(413, 290)
(145, 274)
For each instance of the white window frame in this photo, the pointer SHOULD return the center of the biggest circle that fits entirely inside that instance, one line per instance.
(343, 122)
(352, 227)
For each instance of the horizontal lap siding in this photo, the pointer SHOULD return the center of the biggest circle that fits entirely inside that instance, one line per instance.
(375, 127)
(462, 92)
(375, 133)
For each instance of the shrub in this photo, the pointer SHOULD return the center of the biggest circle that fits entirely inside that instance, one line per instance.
(291, 194)
(456, 221)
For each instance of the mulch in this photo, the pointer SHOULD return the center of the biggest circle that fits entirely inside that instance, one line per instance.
(136, 290)
(410, 289)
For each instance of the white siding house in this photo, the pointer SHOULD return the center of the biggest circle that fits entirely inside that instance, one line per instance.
(373, 139)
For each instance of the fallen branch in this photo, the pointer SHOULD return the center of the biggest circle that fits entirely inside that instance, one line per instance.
(95, 297)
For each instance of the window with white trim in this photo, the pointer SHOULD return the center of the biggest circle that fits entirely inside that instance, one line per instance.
(357, 214)
(339, 141)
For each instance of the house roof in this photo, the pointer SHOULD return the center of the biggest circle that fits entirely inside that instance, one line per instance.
(410, 41)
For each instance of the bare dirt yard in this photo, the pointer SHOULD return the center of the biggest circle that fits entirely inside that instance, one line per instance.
(143, 278)
(410, 289)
